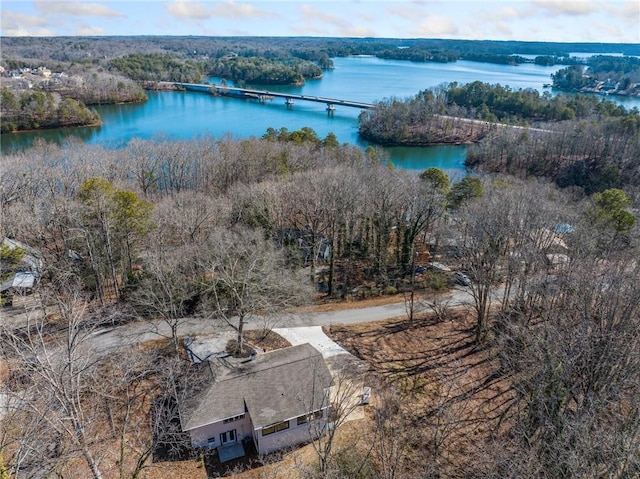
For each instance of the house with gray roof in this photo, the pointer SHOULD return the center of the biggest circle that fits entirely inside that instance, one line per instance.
(20, 278)
(276, 400)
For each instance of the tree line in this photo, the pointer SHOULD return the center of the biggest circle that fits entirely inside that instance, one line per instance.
(158, 67)
(619, 73)
(35, 110)
(93, 49)
(263, 71)
(577, 140)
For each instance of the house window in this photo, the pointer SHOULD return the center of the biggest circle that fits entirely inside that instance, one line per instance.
(211, 440)
(232, 419)
(280, 426)
(309, 417)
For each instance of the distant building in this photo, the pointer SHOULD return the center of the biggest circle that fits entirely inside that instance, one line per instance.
(22, 278)
(43, 71)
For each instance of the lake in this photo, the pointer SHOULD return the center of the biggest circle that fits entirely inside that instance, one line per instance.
(186, 115)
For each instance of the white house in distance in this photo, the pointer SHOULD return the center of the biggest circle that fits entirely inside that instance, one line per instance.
(22, 278)
(277, 400)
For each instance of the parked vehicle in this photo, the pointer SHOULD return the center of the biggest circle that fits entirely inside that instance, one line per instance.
(461, 278)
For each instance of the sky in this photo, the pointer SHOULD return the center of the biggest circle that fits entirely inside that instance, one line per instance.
(532, 20)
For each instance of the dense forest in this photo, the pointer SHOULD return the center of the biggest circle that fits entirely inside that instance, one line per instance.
(619, 75)
(36, 110)
(158, 67)
(261, 71)
(94, 49)
(208, 230)
(239, 69)
(576, 140)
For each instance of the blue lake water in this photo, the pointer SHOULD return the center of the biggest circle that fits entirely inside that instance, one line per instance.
(185, 115)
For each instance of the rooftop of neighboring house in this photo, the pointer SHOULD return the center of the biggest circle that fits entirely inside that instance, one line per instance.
(275, 386)
(27, 272)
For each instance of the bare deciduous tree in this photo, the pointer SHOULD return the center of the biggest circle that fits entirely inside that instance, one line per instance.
(576, 372)
(245, 275)
(343, 398)
(59, 376)
(168, 288)
(394, 431)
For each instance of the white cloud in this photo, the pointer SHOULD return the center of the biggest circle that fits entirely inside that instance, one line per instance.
(323, 17)
(190, 10)
(482, 22)
(367, 16)
(202, 10)
(629, 15)
(16, 24)
(305, 29)
(435, 25)
(616, 34)
(241, 33)
(631, 10)
(76, 8)
(407, 11)
(548, 20)
(13, 20)
(503, 29)
(28, 32)
(358, 31)
(561, 7)
(243, 10)
(506, 13)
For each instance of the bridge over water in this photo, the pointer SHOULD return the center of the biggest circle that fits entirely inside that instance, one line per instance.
(264, 95)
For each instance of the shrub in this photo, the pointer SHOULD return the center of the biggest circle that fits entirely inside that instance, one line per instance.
(390, 290)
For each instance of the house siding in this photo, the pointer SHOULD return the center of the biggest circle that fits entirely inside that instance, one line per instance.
(277, 385)
(200, 435)
(296, 434)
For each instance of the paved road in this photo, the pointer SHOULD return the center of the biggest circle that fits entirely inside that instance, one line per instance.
(494, 124)
(113, 338)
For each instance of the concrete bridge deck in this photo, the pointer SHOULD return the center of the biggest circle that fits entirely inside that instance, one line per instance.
(265, 95)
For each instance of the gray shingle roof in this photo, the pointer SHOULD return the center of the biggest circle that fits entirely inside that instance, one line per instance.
(24, 280)
(278, 385)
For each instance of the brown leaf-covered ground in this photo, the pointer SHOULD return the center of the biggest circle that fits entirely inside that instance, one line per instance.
(450, 385)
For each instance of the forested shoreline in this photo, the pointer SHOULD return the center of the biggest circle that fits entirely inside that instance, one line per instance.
(102, 70)
(577, 140)
(41, 100)
(37, 110)
(314, 49)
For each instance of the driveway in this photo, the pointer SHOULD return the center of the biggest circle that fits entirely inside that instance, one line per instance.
(313, 335)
